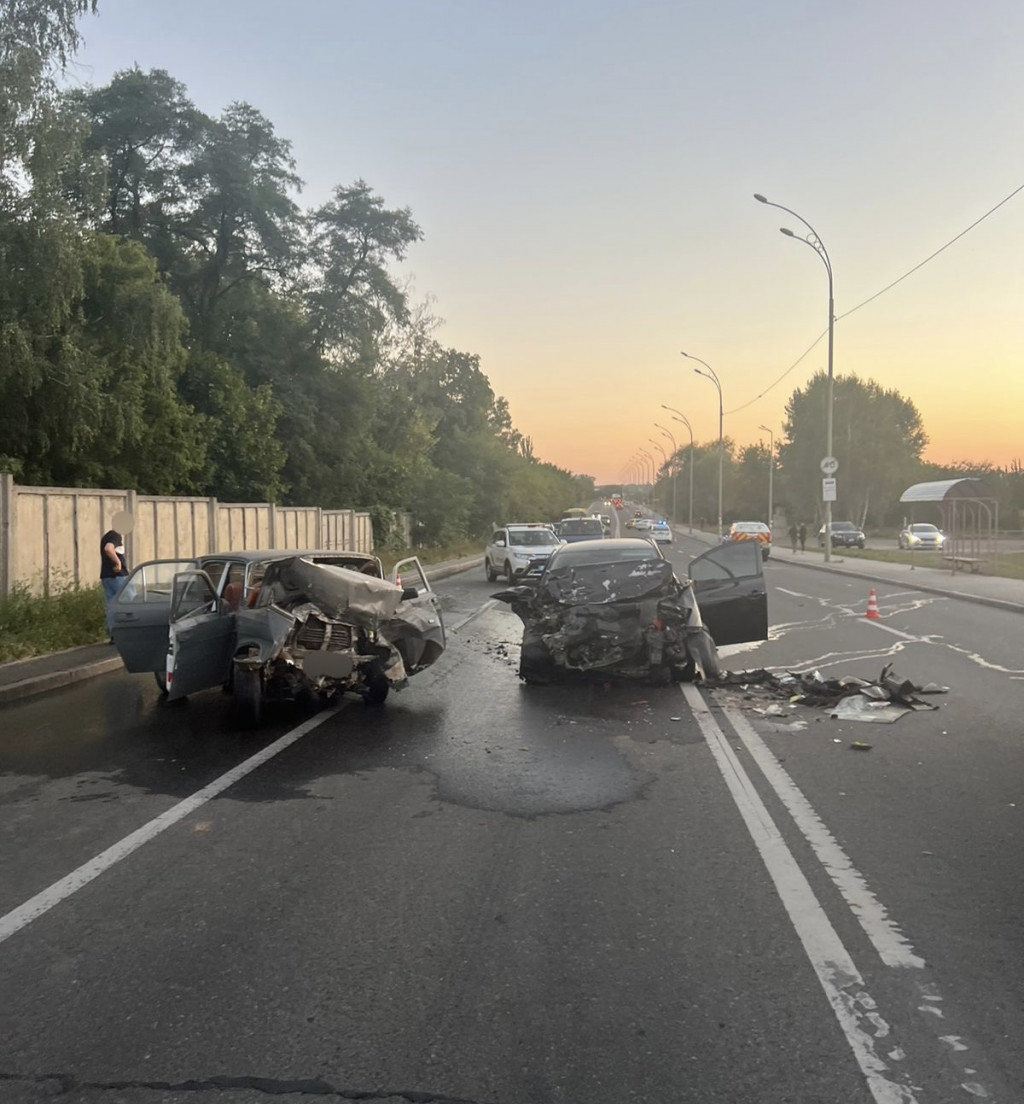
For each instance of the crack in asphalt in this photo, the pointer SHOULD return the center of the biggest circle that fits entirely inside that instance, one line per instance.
(269, 1085)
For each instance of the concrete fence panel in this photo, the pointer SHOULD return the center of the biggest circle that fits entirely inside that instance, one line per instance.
(50, 536)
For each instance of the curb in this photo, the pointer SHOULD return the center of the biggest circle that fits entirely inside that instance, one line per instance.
(41, 684)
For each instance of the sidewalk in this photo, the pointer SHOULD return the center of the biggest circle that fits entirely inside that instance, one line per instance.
(24, 678)
(984, 590)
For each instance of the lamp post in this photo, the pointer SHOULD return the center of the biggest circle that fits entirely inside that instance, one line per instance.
(678, 417)
(664, 456)
(675, 474)
(649, 459)
(814, 242)
(710, 374)
(771, 472)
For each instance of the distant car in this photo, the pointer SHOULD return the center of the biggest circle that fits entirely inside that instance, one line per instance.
(921, 535)
(519, 548)
(590, 611)
(638, 513)
(660, 531)
(844, 535)
(572, 530)
(606, 522)
(643, 524)
(751, 531)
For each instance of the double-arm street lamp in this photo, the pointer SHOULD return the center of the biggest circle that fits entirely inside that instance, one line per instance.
(649, 459)
(771, 472)
(814, 241)
(674, 473)
(664, 465)
(710, 374)
(679, 417)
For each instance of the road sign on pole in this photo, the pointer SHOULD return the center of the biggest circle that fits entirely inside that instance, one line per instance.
(829, 465)
(828, 490)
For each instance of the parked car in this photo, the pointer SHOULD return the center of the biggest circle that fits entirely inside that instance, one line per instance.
(844, 535)
(579, 529)
(755, 531)
(272, 624)
(660, 531)
(921, 535)
(518, 548)
(615, 607)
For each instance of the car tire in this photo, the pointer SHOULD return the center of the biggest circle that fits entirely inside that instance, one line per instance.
(161, 680)
(536, 667)
(492, 575)
(510, 575)
(705, 654)
(377, 685)
(247, 698)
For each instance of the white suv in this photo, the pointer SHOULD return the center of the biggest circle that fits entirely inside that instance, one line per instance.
(517, 548)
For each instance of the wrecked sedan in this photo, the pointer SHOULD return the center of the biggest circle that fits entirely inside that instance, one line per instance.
(616, 607)
(272, 625)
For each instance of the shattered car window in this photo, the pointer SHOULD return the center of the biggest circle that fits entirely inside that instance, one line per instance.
(572, 557)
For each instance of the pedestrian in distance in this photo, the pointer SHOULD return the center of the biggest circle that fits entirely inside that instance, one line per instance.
(793, 534)
(113, 562)
(803, 537)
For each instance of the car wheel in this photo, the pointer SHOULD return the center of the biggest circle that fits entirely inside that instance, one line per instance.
(705, 653)
(491, 573)
(377, 685)
(536, 667)
(161, 680)
(860, 544)
(509, 573)
(247, 697)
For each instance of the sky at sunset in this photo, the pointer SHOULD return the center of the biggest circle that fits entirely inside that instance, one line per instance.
(583, 172)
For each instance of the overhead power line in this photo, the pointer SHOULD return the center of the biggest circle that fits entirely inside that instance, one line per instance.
(871, 298)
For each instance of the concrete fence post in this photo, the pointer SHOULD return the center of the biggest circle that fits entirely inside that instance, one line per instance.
(272, 524)
(7, 533)
(320, 538)
(211, 526)
(131, 504)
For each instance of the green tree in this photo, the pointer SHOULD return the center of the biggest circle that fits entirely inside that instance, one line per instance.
(877, 438)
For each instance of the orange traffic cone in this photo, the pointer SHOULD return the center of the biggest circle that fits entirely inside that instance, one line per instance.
(872, 611)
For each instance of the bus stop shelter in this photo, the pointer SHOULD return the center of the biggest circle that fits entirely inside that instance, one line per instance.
(970, 519)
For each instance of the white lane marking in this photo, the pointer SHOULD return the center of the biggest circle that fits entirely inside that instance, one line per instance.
(893, 947)
(42, 902)
(489, 604)
(854, 1008)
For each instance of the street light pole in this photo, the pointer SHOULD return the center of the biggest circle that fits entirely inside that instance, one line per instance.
(650, 460)
(814, 241)
(711, 375)
(679, 417)
(771, 472)
(664, 456)
(675, 474)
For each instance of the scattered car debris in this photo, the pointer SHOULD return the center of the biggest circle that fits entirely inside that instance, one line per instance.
(849, 698)
(858, 745)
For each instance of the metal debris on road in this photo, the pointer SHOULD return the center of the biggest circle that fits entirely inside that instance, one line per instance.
(849, 698)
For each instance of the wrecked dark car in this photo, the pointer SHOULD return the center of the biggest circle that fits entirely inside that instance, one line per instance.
(616, 607)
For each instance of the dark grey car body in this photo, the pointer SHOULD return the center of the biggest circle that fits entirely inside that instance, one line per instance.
(617, 607)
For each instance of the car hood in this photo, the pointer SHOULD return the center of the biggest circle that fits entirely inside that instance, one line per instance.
(338, 592)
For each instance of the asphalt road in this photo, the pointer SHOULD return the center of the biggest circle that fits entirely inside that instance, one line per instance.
(496, 893)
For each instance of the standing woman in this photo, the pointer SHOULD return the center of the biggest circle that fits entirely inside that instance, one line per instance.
(113, 562)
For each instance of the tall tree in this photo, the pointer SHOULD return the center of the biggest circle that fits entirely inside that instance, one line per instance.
(877, 438)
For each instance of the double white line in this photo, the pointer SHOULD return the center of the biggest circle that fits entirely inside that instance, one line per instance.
(854, 1008)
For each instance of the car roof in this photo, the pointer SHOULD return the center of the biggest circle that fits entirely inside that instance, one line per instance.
(255, 555)
(752, 526)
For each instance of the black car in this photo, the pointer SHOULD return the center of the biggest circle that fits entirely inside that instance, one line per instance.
(616, 607)
(844, 535)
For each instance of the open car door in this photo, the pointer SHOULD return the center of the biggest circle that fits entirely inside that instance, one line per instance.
(728, 582)
(202, 636)
(422, 640)
(140, 614)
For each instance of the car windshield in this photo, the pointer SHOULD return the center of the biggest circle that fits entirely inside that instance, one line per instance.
(923, 529)
(530, 538)
(574, 557)
(843, 526)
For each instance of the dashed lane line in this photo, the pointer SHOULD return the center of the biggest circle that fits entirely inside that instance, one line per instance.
(42, 902)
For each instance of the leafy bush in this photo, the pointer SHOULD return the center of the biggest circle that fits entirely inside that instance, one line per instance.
(32, 625)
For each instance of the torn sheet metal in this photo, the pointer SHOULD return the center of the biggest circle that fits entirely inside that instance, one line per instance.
(339, 592)
(880, 701)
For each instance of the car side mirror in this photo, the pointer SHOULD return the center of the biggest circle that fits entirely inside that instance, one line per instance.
(409, 592)
(500, 542)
